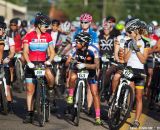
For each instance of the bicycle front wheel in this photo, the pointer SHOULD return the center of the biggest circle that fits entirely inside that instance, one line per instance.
(118, 113)
(78, 107)
(3, 98)
(40, 105)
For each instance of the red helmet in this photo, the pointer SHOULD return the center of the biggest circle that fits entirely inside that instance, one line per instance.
(86, 17)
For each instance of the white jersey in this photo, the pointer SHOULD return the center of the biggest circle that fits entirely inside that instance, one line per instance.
(8, 42)
(134, 61)
(122, 39)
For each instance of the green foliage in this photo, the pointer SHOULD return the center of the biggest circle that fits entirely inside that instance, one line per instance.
(144, 9)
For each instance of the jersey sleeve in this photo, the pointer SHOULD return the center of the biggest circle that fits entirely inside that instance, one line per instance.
(49, 39)
(26, 39)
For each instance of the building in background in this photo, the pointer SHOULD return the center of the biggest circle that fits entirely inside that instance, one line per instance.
(9, 10)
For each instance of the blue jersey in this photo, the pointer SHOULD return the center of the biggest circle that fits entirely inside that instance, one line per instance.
(93, 34)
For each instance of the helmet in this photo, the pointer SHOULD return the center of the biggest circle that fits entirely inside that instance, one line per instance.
(150, 28)
(143, 25)
(24, 23)
(132, 24)
(42, 19)
(83, 37)
(155, 23)
(55, 21)
(157, 32)
(111, 19)
(86, 17)
(119, 26)
(14, 20)
(66, 26)
(2, 23)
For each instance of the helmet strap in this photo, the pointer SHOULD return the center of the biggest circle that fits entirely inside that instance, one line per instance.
(39, 29)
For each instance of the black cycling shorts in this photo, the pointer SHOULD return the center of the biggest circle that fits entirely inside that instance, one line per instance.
(150, 63)
(139, 81)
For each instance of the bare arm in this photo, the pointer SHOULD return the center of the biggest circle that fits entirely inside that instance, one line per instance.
(116, 50)
(127, 54)
(25, 52)
(12, 52)
(143, 57)
(51, 52)
(93, 66)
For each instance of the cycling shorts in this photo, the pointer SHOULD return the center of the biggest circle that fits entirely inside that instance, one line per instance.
(139, 81)
(150, 63)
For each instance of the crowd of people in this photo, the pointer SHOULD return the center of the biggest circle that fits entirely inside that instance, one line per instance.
(132, 42)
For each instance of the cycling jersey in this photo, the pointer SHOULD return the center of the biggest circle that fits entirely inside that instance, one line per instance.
(106, 45)
(87, 56)
(153, 39)
(133, 60)
(121, 41)
(37, 47)
(17, 39)
(93, 34)
(8, 41)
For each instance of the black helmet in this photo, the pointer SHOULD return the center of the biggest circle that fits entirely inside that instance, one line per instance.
(83, 37)
(55, 21)
(24, 23)
(14, 20)
(132, 24)
(42, 19)
(150, 28)
(2, 23)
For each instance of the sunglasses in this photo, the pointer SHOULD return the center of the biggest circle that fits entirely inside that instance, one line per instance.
(129, 32)
(13, 25)
(45, 26)
(84, 22)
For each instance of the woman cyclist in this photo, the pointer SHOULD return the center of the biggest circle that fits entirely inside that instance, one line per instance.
(36, 45)
(86, 57)
(136, 53)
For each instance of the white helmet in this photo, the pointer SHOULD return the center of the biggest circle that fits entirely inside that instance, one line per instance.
(66, 26)
(157, 32)
(155, 23)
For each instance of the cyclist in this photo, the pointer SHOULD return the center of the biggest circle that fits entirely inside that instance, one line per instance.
(85, 26)
(106, 42)
(119, 56)
(150, 61)
(2, 29)
(87, 57)
(7, 55)
(15, 34)
(136, 53)
(55, 33)
(23, 29)
(36, 44)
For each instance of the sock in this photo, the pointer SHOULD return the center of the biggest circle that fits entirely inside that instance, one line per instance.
(71, 91)
(97, 113)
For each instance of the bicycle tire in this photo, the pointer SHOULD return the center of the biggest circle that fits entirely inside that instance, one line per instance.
(102, 83)
(79, 105)
(3, 99)
(40, 106)
(47, 113)
(116, 120)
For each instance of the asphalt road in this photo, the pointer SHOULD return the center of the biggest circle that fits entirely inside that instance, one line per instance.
(150, 120)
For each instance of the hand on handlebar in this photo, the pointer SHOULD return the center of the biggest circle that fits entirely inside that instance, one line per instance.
(81, 65)
(31, 65)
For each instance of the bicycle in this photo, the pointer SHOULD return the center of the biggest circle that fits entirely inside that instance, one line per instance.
(42, 104)
(60, 74)
(105, 65)
(122, 101)
(79, 94)
(3, 93)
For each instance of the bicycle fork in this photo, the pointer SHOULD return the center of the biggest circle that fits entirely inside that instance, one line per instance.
(77, 93)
